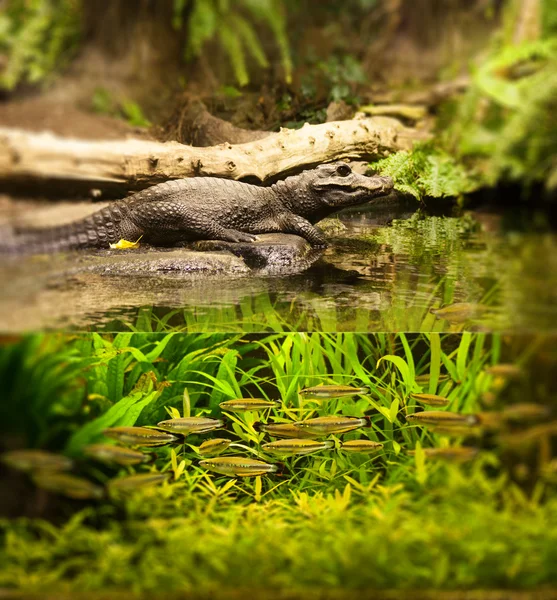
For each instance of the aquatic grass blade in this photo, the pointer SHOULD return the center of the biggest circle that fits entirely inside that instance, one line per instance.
(435, 361)
(122, 414)
(462, 355)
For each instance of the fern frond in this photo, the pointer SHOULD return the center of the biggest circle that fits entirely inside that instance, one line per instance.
(202, 26)
(249, 39)
(272, 13)
(426, 171)
(409, 189)
(232, 45)
(37, 37)
(223, 19)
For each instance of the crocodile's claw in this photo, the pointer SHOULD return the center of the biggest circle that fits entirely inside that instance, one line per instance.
(232, 235)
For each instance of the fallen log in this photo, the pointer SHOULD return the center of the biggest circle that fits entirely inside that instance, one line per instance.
(140, 163)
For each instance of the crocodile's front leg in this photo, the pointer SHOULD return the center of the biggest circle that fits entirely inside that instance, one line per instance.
(174, 221)
(300, 226)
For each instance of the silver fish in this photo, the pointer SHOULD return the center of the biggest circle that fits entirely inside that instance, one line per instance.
(442, 417)
(140, 436)
(450, 430)
(459, 312)
(508, 371)
(237, 466)
(109, 453)
(68, 485)
(245, 404)
(361, 446)
(36, 460)
(285, 430)
(324, 392)
(214, 447)
(457, 454)
(134, 482)
(430, 399)
(525, 411)
(297, 446)
(187, 425)
(426, 377)
(331, 424)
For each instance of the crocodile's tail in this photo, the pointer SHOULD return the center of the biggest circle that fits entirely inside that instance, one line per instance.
(95, 231)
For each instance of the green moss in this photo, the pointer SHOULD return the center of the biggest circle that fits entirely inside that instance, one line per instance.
(427, 171)
(37, 37)
(503, 130)
(329, 521)
(381, 539)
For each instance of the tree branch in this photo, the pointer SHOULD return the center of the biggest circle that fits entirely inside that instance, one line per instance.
(141, 163)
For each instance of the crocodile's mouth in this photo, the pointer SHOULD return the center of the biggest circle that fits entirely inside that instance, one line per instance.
(338, 194)
(381, 186)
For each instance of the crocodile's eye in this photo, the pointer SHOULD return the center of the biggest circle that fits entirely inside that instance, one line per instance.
(343, 170)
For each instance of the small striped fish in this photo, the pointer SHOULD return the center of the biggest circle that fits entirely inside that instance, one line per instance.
(284, 430)
(140, 436)
(187, 425)
(505, 370)
(324, 392)
(115, 454)
(68, 485)
(237, 466)
(450, 430)
(134, 482)
(361, 446)
(426, 377)
(442, 417)
(457, 454)
(331, 424)
(296, 446)
(214, 447)
(245, 404)
(430, 399)
(36, 460)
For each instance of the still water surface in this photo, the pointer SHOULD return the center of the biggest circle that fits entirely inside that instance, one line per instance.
(376, 276)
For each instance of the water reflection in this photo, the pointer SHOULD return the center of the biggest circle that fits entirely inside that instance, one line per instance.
(376, 276)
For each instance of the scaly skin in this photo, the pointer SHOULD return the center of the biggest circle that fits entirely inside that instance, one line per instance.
(212, 208)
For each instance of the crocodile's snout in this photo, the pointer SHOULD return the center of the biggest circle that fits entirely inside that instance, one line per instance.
(387, 184)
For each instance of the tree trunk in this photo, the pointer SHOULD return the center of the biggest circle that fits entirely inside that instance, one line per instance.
(138, 164)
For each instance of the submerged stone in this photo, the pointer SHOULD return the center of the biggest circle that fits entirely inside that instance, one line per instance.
(270, 253)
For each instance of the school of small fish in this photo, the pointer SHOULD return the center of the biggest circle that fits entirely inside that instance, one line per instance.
(135, 446)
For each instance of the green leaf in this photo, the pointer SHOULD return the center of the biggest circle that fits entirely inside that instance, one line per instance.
(393, 411)
(122, 414)
(462, 355)
(409, 359)
(419, 462)
(435, 361)
(401, 365)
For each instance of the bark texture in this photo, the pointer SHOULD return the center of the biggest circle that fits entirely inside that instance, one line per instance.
(140, 163)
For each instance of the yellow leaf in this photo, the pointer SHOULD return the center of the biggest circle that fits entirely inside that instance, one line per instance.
(229, 484)
(347, 493)
(186, 404)
(174, 460)
(355, 483)
(258, 488)
(180, 470)
(173, 412)
(125, 245)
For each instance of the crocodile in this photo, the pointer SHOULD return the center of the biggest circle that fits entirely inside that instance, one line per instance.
(196, 208)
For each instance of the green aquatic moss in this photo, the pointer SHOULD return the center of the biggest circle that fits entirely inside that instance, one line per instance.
(384, 539)
(329, 520)
(427, 171)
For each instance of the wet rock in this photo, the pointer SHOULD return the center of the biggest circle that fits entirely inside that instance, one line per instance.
(178, 262)
(270, 254)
